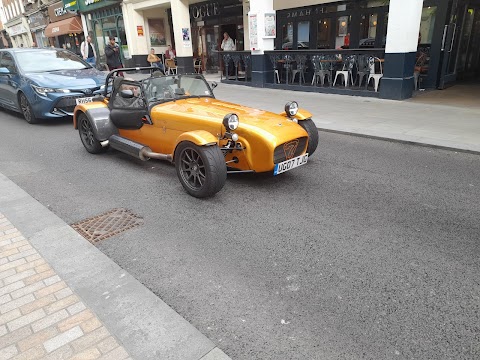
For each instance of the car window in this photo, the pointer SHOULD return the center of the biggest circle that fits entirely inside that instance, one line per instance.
(167, 88)
(8, 62)
(46, 60)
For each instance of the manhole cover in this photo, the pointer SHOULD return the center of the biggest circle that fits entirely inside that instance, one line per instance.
(103, 226)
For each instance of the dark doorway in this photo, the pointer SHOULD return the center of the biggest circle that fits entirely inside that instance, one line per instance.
(231, 29)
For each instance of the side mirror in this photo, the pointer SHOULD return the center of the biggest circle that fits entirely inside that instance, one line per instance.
(126, 94)
(214, 85)
(4, 71)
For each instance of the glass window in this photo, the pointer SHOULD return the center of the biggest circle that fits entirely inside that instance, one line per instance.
(343, 32)
(368, 30)
(287, 36)
(427, 24)
(324, 32)
(8, 62)
(303, 35)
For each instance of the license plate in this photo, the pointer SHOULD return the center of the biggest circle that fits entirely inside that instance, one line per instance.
(290, 164)
(84, 100)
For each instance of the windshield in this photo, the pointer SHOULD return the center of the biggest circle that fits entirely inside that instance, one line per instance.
(175, 87)
(49, 60)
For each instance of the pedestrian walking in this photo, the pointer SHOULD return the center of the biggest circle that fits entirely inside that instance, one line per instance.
(88, 51)
(112, 53)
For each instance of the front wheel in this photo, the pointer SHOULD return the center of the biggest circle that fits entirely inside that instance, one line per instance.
(200, 169)
(27, 110)
(312, 131)
(87, 136)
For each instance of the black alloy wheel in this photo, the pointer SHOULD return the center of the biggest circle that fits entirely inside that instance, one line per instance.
(87, 136)
(27, 110)
(201, 169)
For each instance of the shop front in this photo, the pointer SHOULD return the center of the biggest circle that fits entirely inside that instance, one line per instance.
(209, 20)
(104, 18)
(38, 22)
(4, 38)
(65, 29)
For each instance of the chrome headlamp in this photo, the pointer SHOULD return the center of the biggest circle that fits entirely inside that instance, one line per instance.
(44, 90)
(230, 121)
(291, 108)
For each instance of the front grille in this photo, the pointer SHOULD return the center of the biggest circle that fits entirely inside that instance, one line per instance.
(67, 103)
(280, 155)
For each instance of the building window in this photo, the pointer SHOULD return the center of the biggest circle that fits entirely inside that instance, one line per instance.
(368, 30)
(303, 35)
(324, 31)
(287, 36)
(427, 24)
(342, 39)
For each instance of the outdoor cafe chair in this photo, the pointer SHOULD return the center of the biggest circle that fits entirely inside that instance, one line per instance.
(373, 75)
(363, 69)
(347, 70)
(321, 70)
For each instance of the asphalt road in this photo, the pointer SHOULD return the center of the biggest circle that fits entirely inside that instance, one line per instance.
(370, 251)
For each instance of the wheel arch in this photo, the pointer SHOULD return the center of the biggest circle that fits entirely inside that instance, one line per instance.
(197, 137)
(99, 118)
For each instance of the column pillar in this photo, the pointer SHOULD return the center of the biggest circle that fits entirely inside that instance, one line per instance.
(259, 43)
(401, 48)
(183, 38)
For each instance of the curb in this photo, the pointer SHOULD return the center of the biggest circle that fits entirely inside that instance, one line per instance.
(146, 326)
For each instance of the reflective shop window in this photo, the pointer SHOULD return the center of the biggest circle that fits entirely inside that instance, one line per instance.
(368, 30)
(324, 32)
(8, 62)
(287, 36)
(303, 35)
(427, 24)
(374, 3)
(342, 39)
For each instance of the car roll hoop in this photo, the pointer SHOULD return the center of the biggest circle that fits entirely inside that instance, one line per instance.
(113, 74)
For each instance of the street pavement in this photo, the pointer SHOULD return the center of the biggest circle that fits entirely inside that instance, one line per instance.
(369, 251)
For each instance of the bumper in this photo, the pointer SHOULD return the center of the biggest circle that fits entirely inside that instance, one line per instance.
(56, 105)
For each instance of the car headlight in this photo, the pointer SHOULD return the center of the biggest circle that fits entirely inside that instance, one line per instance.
(230, 121)
(102, 87)
(44, 90)
(291, 108)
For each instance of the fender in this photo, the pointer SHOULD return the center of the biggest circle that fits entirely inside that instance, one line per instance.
(302, 114)
(99, 116)
(198, 137)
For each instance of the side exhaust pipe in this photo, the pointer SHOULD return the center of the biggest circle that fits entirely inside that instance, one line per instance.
(135, 149)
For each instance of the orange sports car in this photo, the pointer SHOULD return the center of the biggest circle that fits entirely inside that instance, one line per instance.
(178, 119)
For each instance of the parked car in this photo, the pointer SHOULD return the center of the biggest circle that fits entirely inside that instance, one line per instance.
(177, 118)
(45, 82)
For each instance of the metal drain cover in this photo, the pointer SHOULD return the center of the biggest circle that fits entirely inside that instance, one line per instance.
(103, 226)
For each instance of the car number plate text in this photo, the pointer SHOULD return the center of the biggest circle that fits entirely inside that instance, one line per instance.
(84, 100)
(290, 164)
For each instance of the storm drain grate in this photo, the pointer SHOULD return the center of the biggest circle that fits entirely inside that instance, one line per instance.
(103, 226)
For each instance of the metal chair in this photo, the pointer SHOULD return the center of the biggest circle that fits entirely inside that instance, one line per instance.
(363, 69)
(373, 75)
(321, 70)
(197, 65)
(171, 66)
(347, 70)
(301, 60)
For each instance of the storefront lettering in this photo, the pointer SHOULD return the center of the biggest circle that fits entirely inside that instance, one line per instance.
(55, 29)
(301, 13)
(205, 10)
(90, 2)
(60, 11)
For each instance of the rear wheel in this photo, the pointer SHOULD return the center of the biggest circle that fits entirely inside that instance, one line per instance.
(200, 169)
(27, 110)
(87, 136)
(312, 132)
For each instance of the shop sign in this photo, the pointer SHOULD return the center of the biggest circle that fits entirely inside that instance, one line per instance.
(205, 10)
(58, 12)
(16, 30)
(299, 13)
(37, 20)
(140, 30)
(87, 5)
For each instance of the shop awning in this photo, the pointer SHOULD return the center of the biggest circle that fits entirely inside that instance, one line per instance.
(66, 26)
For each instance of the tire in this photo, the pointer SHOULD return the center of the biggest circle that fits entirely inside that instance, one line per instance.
(87, 136)
(27, 110)
(201, 169)
(312, 131)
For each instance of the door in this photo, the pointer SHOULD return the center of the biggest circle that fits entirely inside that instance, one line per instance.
(8, 82)
(450, 44)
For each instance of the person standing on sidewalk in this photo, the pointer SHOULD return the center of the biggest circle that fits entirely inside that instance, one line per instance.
(112, 52)
(88, 51)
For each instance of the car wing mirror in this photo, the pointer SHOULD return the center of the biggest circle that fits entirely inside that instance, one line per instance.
(214, 85)
(4, 71)
(126, 94)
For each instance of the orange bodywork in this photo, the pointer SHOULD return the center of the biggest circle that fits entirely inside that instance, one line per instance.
(199, 120)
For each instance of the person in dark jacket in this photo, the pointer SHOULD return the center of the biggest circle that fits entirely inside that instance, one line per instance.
(112, 52)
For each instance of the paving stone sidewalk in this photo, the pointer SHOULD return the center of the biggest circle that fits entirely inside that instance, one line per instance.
(40, 316)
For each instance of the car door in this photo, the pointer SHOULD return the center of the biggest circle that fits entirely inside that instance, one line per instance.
(9, 82)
